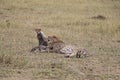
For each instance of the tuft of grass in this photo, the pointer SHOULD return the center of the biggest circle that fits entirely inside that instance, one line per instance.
(20, 62)
(6, 59)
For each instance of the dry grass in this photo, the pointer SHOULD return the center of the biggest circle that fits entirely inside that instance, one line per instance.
(70, 20)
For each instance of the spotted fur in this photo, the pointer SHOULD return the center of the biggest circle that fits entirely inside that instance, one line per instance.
(55, 44)
(71, 50)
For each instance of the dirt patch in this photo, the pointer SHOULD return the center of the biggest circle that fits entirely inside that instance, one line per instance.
(1, 13)
(118, 41)
(100, 17)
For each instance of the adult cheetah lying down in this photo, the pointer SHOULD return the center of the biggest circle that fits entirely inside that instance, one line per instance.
(59, 46)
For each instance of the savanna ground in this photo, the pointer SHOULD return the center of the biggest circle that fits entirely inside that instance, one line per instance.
(71, 21)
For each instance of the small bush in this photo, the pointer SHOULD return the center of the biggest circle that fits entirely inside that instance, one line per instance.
(20, 62)
(6, 59)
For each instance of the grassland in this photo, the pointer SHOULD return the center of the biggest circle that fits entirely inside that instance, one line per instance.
(71, 21)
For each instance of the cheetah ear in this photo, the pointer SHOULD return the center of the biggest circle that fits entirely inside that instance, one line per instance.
(37, 30)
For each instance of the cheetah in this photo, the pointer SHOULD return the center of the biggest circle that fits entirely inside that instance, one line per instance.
(43, 43)
(41, 37)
